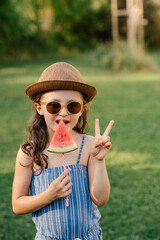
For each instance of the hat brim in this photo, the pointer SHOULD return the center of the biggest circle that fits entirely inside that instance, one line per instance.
(50, 85)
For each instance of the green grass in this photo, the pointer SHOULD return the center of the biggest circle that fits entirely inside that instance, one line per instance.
(132, 100)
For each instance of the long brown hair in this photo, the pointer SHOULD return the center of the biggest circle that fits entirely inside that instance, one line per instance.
(37, 130)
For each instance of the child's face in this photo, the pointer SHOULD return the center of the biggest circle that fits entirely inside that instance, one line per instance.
(63, 97)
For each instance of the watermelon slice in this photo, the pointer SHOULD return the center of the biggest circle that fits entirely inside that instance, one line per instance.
(62, 140)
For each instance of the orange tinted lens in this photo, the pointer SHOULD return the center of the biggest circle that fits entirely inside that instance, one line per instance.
(74, 107)
(53, 107)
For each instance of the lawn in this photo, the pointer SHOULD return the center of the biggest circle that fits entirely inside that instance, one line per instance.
(132, 100)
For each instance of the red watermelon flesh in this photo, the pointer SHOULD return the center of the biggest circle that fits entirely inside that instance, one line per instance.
(62, 140)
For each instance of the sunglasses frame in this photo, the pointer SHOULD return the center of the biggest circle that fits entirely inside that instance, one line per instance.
(66, 106)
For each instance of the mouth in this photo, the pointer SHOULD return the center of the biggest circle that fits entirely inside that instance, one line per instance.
(65, 121)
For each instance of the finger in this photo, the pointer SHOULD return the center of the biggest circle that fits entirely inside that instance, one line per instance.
(108, 129)
(68, 186)
(98, 141)
(105, 139)
(64, 174)
(97, 128)
(67, 193)
(66, 180)
(101, 141)
(108, 144)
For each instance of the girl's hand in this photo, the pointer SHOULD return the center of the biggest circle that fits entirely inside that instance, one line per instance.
(101, 144)
(60, 187)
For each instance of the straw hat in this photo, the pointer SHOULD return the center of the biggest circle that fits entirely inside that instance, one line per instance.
(61, 76)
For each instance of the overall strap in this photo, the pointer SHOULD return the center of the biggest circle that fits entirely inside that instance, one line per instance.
(79, 156)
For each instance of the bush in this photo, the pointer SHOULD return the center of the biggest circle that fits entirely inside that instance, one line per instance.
(119, 57)
(13, 30)
(78, 25)
(152, 30)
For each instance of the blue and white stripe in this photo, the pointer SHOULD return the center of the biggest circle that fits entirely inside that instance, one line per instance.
(56, 221)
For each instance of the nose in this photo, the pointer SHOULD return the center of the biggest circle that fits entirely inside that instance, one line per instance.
(63, 111)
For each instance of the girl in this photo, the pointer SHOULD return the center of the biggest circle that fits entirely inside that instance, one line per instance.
(61, 93)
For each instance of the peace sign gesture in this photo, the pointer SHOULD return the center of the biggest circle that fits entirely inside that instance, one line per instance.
(101, 144)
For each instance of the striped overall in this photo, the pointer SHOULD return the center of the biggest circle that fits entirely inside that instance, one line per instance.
(56, 221)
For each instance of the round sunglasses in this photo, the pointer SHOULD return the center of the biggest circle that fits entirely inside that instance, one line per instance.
(71, 107)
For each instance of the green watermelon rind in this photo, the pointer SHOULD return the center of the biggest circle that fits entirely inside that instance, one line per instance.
(62, 150)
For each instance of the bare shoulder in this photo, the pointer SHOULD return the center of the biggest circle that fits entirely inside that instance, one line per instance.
(88, 143)
(89, 140)
(23, 159)
(86, 150)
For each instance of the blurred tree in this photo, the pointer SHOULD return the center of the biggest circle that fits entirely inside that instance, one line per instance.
(38, 38)
(43, 26)
(77, 24)
(12, 30)
(135, 29)
(152, 30)
(37, 9)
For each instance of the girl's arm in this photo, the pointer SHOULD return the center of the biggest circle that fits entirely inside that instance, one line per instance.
(98, 181)
(98, 177)
(22, 203)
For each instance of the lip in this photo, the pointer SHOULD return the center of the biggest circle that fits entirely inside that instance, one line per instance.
(64, 120)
